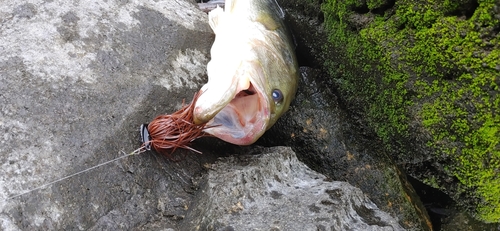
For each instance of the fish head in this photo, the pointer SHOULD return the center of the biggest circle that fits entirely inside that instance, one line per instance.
(252, 74)
(240, 108)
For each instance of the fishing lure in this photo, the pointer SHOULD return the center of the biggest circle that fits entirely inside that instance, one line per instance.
(168, 132)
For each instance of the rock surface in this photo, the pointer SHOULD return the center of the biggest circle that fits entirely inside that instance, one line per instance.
(275, 191)
(324, 137)
(77, 78)
(329, 138)
(76, 81)
(425, 78)
(389, 77)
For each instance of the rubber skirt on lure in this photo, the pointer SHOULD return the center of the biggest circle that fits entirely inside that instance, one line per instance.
(166, 133)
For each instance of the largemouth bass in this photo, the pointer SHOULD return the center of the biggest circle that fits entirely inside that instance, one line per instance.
(252, 74)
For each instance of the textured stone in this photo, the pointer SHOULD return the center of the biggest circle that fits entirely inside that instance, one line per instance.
(77, 78)
(275, 191)
(76, 81)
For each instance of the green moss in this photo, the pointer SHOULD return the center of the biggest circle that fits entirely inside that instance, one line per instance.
(390, 119)
(431, 182)
(374, 4)
(447, 75)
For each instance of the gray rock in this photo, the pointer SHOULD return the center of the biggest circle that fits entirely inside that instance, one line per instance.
(338, 37)
(330, 138)
(77, 78)
(328, 141)
(275, 191)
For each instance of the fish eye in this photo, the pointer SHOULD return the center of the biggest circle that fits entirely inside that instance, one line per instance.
(277, 96)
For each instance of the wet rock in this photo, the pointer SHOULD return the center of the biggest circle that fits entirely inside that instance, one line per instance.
(331, 139)
(77, 78)
(419, 113)
(328, 139)
(274, 190)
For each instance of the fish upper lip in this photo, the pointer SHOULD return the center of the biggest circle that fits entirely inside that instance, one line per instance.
(218, 93)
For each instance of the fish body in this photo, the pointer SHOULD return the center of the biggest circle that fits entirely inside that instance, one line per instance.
(252, 74)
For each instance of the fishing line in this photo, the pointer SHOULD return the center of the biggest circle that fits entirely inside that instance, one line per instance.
(136, 152)
(164, 134)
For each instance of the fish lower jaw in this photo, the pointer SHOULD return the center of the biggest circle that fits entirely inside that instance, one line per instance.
(230, 128)
(240, 126)
(237, 137)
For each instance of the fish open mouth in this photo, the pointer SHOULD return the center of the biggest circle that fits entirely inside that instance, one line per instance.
(243, 119)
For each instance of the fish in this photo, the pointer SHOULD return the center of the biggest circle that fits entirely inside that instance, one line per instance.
(252, 74)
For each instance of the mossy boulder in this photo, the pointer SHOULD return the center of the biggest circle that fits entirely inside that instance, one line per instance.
(425, 77)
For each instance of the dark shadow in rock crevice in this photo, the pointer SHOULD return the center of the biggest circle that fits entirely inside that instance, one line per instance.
(465, 8)
(436, 202)
(381, 10)
(363, 9)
